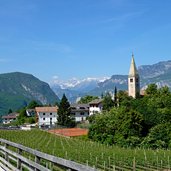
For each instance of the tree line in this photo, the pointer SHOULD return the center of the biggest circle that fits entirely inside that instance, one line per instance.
(125, 121)
(141, 122)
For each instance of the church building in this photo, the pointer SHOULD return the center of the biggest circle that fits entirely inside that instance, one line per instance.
(133, 80)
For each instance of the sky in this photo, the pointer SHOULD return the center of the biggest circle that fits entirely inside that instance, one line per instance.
(82, 38)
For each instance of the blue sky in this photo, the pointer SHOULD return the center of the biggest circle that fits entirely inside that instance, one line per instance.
(82, 38)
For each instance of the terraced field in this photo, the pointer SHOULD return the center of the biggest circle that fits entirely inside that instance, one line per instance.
(94, 154)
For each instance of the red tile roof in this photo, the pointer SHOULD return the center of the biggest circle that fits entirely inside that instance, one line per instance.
(10, 116)
(46, 109)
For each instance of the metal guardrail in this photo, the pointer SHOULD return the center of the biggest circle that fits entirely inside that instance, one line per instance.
(35, 165)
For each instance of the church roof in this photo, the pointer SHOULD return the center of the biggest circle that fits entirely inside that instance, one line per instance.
(133, 70)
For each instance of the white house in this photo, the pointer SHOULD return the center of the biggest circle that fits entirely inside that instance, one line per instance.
(9, 118)
(80, 112)
(96, 106)
(46, 116)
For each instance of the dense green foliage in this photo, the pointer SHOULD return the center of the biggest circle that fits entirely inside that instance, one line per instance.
(23, 118)
(33, 104)
(94, 154)
(144, 121)
(87, 99)
(64, 111)
(119, 126)
(18, 89)
(108, 103)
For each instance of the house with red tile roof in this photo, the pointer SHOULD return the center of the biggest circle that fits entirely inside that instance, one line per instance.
(46, 116)
(7, 119)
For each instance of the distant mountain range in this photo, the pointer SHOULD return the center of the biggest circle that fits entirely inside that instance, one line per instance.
(75, 88)
(159, 73)
(18, 89)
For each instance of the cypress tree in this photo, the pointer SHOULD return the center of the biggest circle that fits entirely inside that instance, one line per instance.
(115, 97)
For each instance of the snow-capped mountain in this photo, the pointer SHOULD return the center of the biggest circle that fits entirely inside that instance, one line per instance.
(75, 88)
(82, 85)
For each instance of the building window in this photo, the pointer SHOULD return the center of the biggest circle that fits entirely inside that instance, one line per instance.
(50, 113)
(131, 80)
(44, 119)
(50, 118)
(43, 113)
(82, 113)
(72, 113)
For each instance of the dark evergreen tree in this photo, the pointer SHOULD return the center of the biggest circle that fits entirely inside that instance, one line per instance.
(64, 111)
(9, 111)
(115, 97)
(102, 95)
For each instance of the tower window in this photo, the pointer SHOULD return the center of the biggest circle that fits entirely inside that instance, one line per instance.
(131, 80)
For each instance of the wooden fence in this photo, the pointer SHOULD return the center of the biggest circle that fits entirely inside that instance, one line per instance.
(14, 157)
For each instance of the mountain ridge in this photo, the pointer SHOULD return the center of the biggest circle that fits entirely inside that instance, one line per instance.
(159, 73)
(17, 89)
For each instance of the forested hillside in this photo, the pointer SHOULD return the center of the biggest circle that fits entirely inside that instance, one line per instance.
(18, 89)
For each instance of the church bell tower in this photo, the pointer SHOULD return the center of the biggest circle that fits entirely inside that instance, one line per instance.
(133, 80)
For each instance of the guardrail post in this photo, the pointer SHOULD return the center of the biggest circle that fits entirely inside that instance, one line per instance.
(37, 160)
(6, 154)
(18, 160)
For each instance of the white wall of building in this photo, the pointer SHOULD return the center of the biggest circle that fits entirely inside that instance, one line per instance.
(7, 121)
(81, 116)
(47, 118)
(96, 108)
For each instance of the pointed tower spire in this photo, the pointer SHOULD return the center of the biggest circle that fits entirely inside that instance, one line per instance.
(133, 70)
(133, 80)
